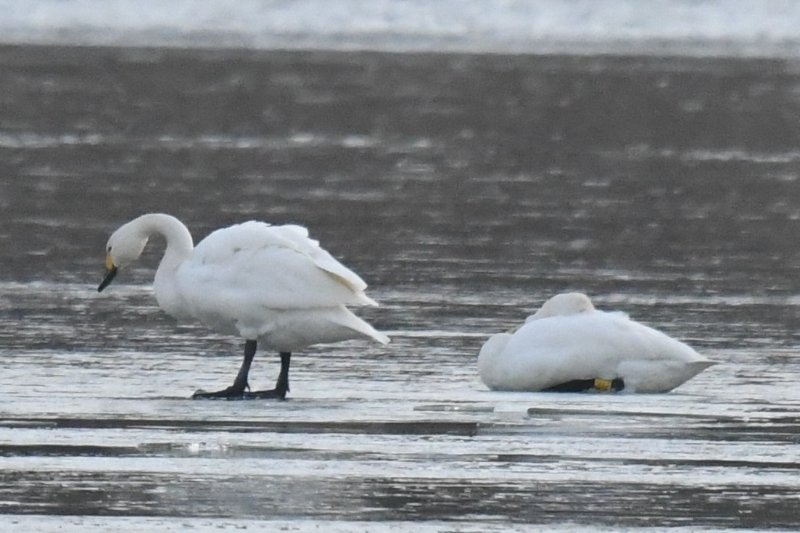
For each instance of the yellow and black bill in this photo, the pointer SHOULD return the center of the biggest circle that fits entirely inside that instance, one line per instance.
(111, 271)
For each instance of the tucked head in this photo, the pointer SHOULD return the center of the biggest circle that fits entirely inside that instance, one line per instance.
(568, 303)
(124, 246)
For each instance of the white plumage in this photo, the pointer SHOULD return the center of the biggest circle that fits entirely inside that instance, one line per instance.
(568, 339)
(271, 284)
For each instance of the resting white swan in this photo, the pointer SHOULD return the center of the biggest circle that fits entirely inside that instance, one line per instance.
(267, 284)
(568, 345)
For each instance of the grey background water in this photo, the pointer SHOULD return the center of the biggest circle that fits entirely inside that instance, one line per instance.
(465, 189)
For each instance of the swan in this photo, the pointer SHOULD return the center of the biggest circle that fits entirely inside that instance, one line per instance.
(568, 345)
(270, 285)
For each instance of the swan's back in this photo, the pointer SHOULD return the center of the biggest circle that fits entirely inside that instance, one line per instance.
(222, 245)
(568, 303)
(277, 267)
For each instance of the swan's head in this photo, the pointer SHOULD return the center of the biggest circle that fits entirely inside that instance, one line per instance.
(124, 246)
(568, 303)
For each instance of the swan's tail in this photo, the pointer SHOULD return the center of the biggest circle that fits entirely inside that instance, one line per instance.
(344, 317)
(698, 366)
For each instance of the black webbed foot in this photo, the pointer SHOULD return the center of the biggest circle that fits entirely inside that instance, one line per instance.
(272, 394)
(582, 385)
(234, 392)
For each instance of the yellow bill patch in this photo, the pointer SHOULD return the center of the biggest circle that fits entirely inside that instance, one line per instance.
(109, 262)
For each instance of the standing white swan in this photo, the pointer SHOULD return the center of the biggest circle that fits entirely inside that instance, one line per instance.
(568, 345)
(267, 284)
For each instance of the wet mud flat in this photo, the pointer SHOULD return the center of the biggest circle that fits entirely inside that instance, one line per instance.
(465, 189)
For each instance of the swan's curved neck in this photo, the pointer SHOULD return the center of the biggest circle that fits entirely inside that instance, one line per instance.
(179, 240)
(179, 249)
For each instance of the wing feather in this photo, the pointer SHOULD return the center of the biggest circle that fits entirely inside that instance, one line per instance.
(276, 267)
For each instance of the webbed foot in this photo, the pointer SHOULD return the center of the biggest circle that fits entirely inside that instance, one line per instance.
(234, 392)
(582, 385)
(274, 394)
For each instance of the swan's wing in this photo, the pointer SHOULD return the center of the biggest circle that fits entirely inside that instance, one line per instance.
(276, 267)
(588, 345)
(298, 236)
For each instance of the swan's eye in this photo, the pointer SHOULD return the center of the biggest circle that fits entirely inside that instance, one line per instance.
(108, 249)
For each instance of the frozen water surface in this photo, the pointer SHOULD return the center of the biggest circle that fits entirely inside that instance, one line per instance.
(465, 190)
(698, 27)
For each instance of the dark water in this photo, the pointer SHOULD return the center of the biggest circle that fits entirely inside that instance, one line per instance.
(465, 190)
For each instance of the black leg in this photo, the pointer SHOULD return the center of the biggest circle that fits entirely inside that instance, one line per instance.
(237, 390)
(576, 385)
(281, 386)
(580, 385)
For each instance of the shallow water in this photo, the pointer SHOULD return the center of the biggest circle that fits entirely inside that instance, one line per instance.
(465, 190)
